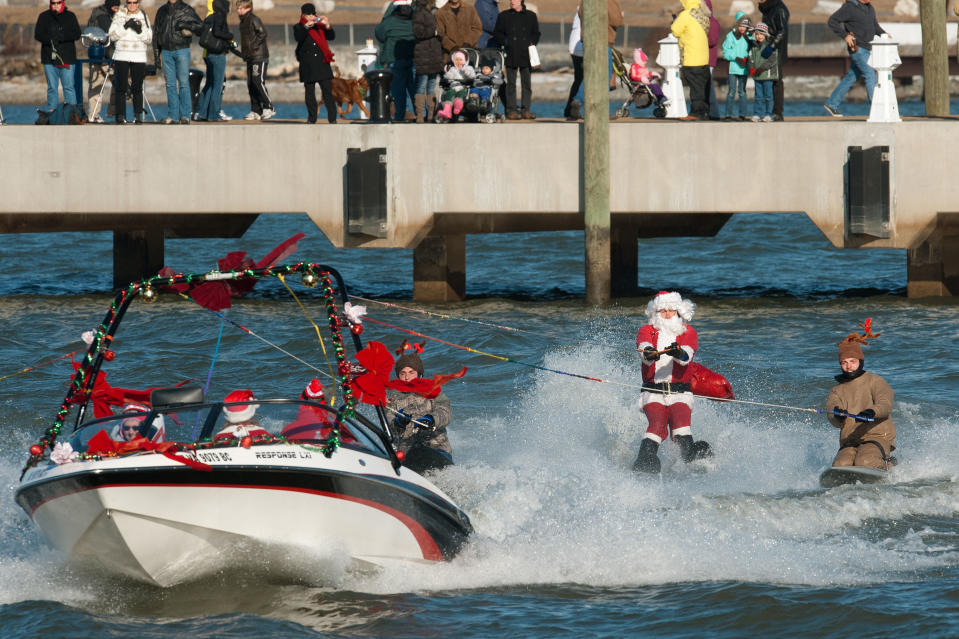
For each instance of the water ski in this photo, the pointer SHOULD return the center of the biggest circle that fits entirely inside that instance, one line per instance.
(839, 475)
(421, 459)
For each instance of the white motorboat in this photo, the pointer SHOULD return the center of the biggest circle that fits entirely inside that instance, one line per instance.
(195, 486)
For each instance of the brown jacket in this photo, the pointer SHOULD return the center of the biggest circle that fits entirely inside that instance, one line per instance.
(458, 29)
(615, 18)
(854, 396)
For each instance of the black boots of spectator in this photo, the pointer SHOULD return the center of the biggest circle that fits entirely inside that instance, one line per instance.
(690, 450)
(647, 461)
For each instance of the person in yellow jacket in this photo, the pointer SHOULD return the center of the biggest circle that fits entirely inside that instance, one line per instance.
(691, 27)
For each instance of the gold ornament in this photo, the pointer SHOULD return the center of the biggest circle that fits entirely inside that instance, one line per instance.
(310, 280)
(149, 295)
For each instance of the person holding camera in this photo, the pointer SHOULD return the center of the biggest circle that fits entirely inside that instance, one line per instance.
(312, 34)
(131, 32)
(173, 29)
(101, 17)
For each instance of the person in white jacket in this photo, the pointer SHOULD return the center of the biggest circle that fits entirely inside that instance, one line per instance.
(131, 32)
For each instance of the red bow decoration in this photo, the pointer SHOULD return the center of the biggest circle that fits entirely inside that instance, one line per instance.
(216, 295)
(101, 444)
(371, 385)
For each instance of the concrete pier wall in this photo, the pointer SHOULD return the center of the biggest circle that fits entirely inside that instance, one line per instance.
(459, 179)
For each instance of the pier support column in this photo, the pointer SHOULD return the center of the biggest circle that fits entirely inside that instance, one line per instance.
(439, 269)
(624, 258)
(136, 254)
(932, 268)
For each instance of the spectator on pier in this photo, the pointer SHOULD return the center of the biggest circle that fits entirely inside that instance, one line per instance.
(855, 22)
(736, 51)
(131, 32)
(397, 45)
(427, 59)
(668, 344)
(763, 66)
(713, 34)
(574, 102)
(101, 17)
(312, 34)
(776, 16)
(488, 12)
(57, 31)
(517, 29)
(858, 398)
(173, 28)
(691, 27)
(254, 50)
(218, 40)
(614, 20)
(459, 26)
(639, 71)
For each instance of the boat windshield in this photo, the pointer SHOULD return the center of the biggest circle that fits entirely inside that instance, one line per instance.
(267, 421)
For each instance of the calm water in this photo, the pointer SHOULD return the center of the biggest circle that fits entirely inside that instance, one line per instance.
(568, 543)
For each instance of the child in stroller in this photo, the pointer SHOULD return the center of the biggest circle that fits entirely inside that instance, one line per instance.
(484, 94)
(456, 82)
(641, 82)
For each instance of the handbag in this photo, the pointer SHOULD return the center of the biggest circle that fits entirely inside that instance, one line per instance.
(533, 56)
(209, 41)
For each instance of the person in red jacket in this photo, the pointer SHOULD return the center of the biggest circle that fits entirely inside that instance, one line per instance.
(668, 344)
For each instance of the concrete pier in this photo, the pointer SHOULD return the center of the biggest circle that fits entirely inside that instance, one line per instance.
(443, 182)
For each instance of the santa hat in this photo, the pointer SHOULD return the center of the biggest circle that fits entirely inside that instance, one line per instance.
(313, 390)
(671, 300)
(639, 57)
(239, 412)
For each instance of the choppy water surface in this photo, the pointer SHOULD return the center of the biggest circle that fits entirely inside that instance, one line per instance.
(568, 542)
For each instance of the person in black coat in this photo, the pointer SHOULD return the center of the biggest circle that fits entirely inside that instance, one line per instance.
(427, 58)
(516, 29)
(57, 31)
(314, 55)
(776, 16)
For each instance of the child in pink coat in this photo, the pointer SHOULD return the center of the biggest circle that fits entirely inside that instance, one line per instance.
(640, 72)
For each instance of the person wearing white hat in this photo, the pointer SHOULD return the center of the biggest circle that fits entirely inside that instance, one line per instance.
(668, 344)
(240, 417)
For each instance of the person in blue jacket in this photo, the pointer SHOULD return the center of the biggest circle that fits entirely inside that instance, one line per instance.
(488, 11)
(736, 50)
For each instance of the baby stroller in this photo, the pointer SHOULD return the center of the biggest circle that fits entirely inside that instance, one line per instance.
(482, 102)
(640, 95)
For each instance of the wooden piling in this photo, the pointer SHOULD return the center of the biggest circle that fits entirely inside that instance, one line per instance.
(935, 57)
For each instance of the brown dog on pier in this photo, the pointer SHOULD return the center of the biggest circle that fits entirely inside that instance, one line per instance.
(349, 91)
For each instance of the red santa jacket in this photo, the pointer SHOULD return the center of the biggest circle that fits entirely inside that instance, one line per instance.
(667, 369)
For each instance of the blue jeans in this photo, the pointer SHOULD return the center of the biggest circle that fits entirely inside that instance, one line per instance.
(402, 82)
(56, 77)
(858, 68)
(764, 98)
(736, 95)
(208, 106)
(176, 71)
(426, 83)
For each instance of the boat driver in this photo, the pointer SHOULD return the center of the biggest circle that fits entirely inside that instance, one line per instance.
(131, 427)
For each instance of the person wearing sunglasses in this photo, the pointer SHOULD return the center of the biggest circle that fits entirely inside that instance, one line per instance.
(57, 31)
(131, 32)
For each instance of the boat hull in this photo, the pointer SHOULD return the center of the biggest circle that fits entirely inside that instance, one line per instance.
(162, 522)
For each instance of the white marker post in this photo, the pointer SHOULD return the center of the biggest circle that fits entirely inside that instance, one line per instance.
(884, 58)
(669, 59)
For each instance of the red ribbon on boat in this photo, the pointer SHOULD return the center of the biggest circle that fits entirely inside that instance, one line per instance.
(101, 444)
(709, 384)
(371, 386)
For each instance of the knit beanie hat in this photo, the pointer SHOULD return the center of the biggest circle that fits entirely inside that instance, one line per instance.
(761, 27)
(112, 3)
(308, 9)
(850, 346)
(409, 356)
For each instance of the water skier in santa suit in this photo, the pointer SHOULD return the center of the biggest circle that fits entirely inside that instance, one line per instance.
(668, 344)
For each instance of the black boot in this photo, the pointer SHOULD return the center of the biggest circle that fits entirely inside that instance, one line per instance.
(647, 461)
(690, 450)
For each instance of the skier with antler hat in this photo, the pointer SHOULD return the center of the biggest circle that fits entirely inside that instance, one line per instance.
(860, 405)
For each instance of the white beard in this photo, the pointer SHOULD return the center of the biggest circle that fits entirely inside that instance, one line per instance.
(673, 325)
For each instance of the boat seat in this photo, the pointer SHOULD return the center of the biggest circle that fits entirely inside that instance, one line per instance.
(178, 396)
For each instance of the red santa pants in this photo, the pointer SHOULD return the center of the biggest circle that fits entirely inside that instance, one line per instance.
(665, 419)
